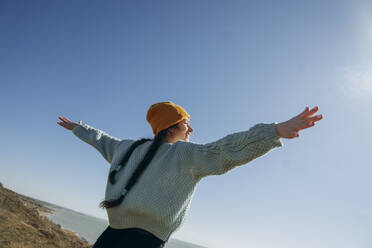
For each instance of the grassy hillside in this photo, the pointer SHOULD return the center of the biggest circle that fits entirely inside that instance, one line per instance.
(22, 225)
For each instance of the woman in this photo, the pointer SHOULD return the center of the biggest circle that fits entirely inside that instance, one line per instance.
(151, 182)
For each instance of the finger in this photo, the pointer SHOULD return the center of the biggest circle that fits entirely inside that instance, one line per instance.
(65, 119)
(61, 118)
(306, 125)
(304, 112)
(311, 112)
(311, 122)
(314, 118)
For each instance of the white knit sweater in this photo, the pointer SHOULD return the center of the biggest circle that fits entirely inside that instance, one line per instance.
(159, 201)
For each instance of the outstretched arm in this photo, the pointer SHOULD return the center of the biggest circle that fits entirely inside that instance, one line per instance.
(236, 149)
(103, 142)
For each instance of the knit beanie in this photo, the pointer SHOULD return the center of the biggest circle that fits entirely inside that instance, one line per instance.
(162, 115)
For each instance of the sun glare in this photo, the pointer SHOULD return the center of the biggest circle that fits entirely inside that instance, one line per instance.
(358, 77)
(358, 81)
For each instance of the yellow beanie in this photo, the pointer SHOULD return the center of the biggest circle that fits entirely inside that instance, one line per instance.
(162, 115)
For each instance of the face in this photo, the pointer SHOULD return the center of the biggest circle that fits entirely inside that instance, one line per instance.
(182, 131)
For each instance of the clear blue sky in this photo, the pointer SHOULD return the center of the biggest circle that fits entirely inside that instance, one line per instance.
(231, 65)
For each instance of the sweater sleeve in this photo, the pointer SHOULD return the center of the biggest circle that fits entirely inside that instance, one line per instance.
(236, 149)
(100, 140)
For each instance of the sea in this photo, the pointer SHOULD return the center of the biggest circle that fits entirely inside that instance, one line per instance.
(90, 227)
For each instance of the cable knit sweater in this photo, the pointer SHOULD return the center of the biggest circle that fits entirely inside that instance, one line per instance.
(160, 200)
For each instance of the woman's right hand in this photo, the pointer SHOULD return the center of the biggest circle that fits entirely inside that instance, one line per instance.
(66, 123)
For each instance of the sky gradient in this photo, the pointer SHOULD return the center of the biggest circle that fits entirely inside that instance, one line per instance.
(231, 65)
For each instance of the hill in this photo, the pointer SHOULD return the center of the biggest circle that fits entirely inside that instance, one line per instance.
(23, 225)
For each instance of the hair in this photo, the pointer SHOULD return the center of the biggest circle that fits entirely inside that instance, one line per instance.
(157, 141)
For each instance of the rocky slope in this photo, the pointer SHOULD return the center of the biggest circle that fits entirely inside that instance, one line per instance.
(22, 225)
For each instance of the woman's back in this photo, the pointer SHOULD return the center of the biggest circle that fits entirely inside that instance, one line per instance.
(161, 195)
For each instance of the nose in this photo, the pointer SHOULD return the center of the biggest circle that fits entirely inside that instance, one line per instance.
(190, 129)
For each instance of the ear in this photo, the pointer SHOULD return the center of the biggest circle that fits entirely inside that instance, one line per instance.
(171, 130)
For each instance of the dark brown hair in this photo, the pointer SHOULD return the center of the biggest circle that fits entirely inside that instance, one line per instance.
(158, 140)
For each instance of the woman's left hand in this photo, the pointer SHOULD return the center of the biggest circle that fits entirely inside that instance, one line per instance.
(289, 129)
